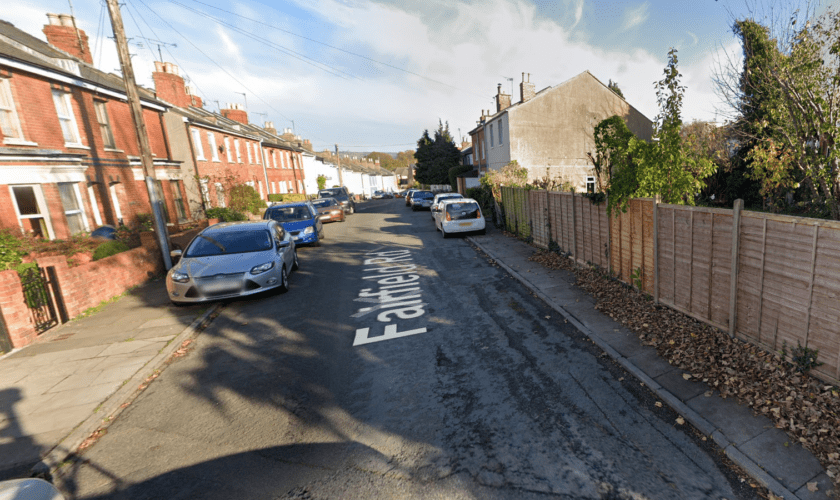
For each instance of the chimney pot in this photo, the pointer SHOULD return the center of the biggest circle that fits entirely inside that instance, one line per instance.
(66, 20)
(54, 20)
(159, 66)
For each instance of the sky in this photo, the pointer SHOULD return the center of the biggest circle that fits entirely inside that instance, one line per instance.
(373, 75)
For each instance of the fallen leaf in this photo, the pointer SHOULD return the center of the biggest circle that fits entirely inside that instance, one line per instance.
(812, 487)
(657, 404)
(680, 420)
(687, 376)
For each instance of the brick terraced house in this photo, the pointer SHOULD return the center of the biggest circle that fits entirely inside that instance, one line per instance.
(222, 149)
(69, 158)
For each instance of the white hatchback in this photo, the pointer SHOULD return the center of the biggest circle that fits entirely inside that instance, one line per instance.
(462, 215)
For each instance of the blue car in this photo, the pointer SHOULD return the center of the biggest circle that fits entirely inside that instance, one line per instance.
(300, 219)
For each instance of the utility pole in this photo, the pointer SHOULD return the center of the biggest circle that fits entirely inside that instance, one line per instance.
(140, 128)
(340, 175)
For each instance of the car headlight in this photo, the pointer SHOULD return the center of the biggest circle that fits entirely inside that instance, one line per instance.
(262, 268)
(179, 277)
(309, 230)
(335, 212)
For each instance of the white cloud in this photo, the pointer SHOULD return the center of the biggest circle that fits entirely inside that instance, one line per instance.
(636, 16)
(578, 13)
(231, 47)
(693, 38)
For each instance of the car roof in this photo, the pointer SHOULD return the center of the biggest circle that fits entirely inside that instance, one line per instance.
(459, 200)
(246, 224)
(290, 204)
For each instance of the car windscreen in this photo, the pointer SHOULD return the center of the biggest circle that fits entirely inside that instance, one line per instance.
(422, 195)
(458, 211)
(325, 202)
(289, 214)
(229, 242)
(448, 196)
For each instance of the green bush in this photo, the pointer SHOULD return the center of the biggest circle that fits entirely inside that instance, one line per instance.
(244, 198)
(109, 248)
(225, 214)
(484, 196)
(11, 248)
(282, 198)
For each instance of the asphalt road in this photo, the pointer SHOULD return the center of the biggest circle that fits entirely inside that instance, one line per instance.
(461, 384)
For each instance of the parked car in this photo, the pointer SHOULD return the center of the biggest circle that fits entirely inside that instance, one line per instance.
(408, 196)
(329, 210)
(300, 218)
(421, 199)
(440, 197)
(232, 259)
(459, 216)
(342, 196)
(378, 195)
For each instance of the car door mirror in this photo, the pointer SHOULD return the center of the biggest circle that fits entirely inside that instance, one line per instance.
(283, 244)
(176, 254)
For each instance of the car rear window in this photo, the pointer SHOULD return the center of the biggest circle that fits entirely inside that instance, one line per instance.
(326, 202)
(458, 211)
(288, 214)
(229, 242)
(423, 194)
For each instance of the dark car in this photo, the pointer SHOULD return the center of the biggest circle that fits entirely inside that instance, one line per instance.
(342, 196)
(422, 199)
(329, 210)
(300, 219)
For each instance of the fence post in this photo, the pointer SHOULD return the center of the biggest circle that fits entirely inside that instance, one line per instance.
(733, 278)
(656, 250)
(574, 228)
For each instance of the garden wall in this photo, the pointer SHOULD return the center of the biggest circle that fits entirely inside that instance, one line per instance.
(81, 287)
(768, 279)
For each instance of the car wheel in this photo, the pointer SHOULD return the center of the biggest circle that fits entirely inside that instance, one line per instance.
(284, 281)
(295, 262)
(443, 233)
(179, 304)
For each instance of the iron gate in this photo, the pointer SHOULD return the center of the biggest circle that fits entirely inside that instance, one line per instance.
(36, 294)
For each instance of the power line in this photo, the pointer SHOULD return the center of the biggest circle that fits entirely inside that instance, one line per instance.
(333, 47)
(287, 51)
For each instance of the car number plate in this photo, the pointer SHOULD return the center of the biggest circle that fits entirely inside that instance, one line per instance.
(465, 224)
(221, 285)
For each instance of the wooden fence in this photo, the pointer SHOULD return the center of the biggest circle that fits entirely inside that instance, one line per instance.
(768, 279)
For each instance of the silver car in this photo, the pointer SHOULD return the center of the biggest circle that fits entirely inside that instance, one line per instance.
(232, 259)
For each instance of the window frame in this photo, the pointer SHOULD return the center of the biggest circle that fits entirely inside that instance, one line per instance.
(100, 107)
(11, 111)
(63, 97)
(491, 136)
(238, 151)
(175, 186)
(214, 149)
(591, 180)
(198, 145)
(72, 212)
(41, 203)
(248, 151)
(220, 195)
(227, 150)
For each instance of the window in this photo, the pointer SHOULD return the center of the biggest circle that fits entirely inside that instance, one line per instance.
(257, 150)
(274, 158)
(238, 152)
(227, 149)
(220, 194)
(199, 148)
(104, 124)
(248, 150)
(284, 160)
(500, 133)
(175, 185)
(29, 203)
(65, 116)
(205, 193)
(115, 199)
(273, 187)
(265, 158)
(9, 123)
(214, 150)
(94, 205)
(76, 220)
(260, 189)
(491, 136)
(590, 184)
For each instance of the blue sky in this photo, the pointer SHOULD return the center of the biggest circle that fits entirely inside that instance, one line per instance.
(372, 75)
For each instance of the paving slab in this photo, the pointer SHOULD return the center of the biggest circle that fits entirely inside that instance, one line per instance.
(650, 362)
(783, 458)
(737, 422)
(684, 389)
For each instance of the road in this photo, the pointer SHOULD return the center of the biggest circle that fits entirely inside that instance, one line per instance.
(461, 384)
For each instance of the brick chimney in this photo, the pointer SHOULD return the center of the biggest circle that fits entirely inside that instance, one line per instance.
(63, 34)
(502, 99)
(307, 145)
(194, 99)
(169, 85)
(236, 113)
(288, 135)
(269, 127)
(526, 89)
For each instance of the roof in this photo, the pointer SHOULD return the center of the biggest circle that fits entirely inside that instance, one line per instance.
(211, 119)
(545, 91)
(20, 46)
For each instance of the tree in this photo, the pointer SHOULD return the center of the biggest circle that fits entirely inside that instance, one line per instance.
(614, 87)
(322, 181)
(671, 167)
(799, 123)
(385, 160)
(436, 156)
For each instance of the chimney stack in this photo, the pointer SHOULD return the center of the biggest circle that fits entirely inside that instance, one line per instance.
(526, 89)
(236, 113)
(502, 99)
(193, 97)
(307, 144)
(169, 85)
(288, 135)
(63, 34)
(269, 127)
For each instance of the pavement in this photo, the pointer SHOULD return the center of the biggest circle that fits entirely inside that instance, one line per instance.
(766, 453)
(55, 392)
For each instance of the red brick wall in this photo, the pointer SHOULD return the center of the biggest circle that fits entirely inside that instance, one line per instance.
(66, 39)
(82, 287)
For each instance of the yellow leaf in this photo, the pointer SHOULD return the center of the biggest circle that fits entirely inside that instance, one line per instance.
(680, 420)
(812, 487)
(658, 404)
(687, 376)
